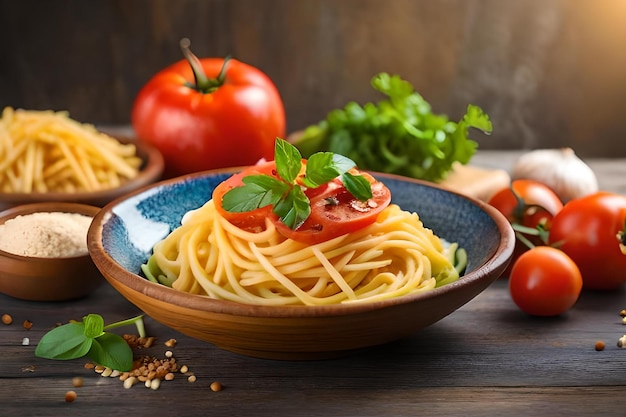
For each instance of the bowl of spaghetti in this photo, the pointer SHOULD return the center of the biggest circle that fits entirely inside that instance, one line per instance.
(45, 156)
(166, 250)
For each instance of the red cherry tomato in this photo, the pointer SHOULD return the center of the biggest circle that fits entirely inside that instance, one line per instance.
(232, 122)
(335, 212)
(535, 203)
(586, 230)
(528, 203)
(545, 281)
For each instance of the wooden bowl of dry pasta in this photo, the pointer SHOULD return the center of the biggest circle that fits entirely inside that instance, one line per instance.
(43, 252)
(47, 156)
(124, 232)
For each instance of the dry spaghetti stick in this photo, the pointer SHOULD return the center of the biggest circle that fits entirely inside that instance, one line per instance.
(74, 165)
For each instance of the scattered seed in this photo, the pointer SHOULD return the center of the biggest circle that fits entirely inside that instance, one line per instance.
(70, 396)
(184, 369)
(169, 376)
(216, 386)
(192, 378)
(7, 319)
(129, 382)
(99, 369)
(170, 342)
(25, 341)
(155, 384)
(77, 381)
(107, 372)
(599, 345)
(27, 324)
(621, 342)
(623, 313)
(89, 365)
(168, 354)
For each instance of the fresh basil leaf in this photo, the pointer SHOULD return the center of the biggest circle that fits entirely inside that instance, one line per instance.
(94, 325)
(294, 208)
(323, 167)
(258, 191)
(288, 160)
(111, 350)
(64, 342)
(358, 186)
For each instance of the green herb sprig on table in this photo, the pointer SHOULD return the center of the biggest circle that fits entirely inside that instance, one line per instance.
(89, 338)
(398, 135)
(284, 194)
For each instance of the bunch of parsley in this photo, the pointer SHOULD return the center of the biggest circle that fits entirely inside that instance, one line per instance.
(398, 135)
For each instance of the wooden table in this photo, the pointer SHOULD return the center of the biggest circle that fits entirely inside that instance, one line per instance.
(486, 359)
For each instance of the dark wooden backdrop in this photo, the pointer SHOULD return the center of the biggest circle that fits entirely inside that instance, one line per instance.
(549, 72)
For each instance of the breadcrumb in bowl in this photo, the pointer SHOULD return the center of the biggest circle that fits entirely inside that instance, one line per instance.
(47, 272)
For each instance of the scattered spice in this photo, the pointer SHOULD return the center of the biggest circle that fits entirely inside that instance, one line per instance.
(216, 386)
(77, 381)
(621, 342)
(7, 319)
(623, 313)
(27, 324)
(46, 234)
(70, 396)
(600, 345)
(170, 342)
(25, 341)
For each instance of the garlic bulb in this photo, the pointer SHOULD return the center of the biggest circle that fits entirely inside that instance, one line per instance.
(560, 169)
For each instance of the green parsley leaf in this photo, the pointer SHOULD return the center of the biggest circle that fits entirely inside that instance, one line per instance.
(399, 134)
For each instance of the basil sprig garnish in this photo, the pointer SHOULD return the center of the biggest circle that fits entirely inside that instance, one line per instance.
(285, 194)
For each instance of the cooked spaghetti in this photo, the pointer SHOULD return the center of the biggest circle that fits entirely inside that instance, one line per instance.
(394, 256)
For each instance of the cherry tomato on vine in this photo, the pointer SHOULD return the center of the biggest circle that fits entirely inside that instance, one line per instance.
(209, 113)
(527, 202)
(545, 281)
(586, 230)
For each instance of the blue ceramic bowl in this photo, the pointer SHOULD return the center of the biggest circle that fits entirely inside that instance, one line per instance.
(123, 233)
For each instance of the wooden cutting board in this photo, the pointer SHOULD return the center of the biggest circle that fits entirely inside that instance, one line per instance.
(476, 182)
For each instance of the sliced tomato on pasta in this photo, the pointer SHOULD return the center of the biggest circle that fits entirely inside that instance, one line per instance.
(252, 221)
(335, 212)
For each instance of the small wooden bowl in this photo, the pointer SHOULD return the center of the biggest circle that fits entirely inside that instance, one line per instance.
(48, 279)
(151, 170)
(121, 237)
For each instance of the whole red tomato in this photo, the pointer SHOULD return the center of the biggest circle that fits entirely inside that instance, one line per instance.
(545, 282)
(209, 113)
(586, 229)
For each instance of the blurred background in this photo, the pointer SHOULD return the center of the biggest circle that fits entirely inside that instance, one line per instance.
(550, 73)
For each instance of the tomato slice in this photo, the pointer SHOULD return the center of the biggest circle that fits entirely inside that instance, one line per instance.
(251, 221)
(335, 212)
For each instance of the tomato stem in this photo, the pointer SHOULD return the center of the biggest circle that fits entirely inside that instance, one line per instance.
(203, 84)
